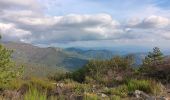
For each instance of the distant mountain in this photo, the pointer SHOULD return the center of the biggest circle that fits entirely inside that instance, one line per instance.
(91, 53)
(106, 54)
(50, 57)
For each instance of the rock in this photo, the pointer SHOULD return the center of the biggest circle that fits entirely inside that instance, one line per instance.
(141, 95)
(102, 95)
(163, 98)
(60, 84)
(11, 95)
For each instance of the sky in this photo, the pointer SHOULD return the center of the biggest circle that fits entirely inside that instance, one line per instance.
(86, 23)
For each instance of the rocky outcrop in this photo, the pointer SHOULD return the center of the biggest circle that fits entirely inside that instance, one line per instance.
(140, 95)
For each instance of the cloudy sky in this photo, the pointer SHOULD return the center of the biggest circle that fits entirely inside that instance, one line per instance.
(86, 23)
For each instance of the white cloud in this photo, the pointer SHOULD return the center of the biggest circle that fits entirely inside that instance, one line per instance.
(21, 20)
(10, 32)
(24, 4)
(167, 35)
(149, 22)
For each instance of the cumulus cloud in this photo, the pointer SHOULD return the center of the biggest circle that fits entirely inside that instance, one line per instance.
(166, 35)
(9, 31)
(27, 24)
(71, 27)
(149, 22)
(24, 4)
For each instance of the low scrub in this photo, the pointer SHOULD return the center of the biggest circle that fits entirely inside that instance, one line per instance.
(148, 86)
(34, 94)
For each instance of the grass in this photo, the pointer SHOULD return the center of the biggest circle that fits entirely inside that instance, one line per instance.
(121, 91)
(91, 96)
(14, 84)
(34, 94)
(38, 89)
(143, 85)
(115, 97)
(147, 86)
(42, 84)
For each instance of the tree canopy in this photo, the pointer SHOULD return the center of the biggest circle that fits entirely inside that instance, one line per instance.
(8, 69)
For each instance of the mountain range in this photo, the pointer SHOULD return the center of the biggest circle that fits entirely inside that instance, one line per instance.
(43, 60)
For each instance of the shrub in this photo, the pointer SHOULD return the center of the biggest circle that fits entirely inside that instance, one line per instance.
(8, 69)
(121, 91)
(58, 76)
(82, 88)
(42, 84)
(16, 84)
(102, 71)
(79, 75)
(148, 86)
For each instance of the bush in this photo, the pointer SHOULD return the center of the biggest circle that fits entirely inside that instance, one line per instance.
(79, 75)
(102, 71)
(41, 84)
(59, 76)
(147, 86)
(82, 88)
(16, 84)
(121, 91)
(8, 69)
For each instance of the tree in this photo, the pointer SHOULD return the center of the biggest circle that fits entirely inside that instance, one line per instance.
(152, 59)
(8, 69)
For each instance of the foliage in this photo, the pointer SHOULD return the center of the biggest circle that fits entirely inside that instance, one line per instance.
(8, 70)
(121, 91)
(102, 71)
(147, 86)
(79, 75)
(15, 84)
(82, 88)
(88, 82)
(151, 60)
(57, 76)
(41, 84)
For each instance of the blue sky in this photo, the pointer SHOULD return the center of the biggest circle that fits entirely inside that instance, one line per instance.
(116, 8)
(86, 23)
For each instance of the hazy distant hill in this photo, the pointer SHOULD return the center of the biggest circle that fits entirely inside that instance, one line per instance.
(92, 54)
(51, 59)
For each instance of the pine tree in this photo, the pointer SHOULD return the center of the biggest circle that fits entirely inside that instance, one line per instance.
(152, 59)
(8, 69)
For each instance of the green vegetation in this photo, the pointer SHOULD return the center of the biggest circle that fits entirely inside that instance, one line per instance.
(8, 69)
(151, 60)
(147, 86)
(110, 79)
(104, 71)
(34, 94)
